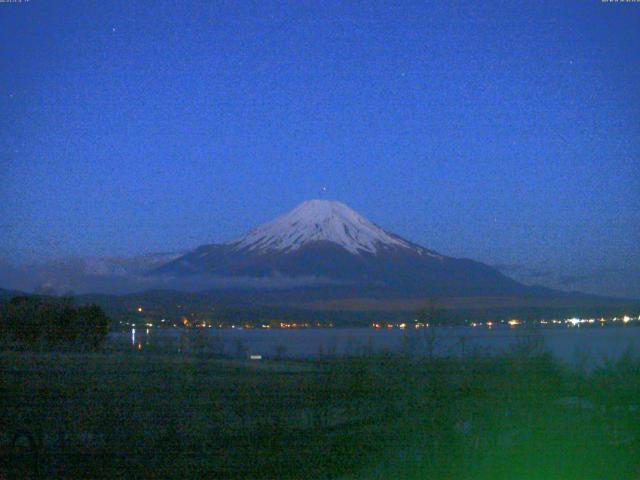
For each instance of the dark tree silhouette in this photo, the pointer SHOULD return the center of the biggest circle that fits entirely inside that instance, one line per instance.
(94, 325)
(45, 322)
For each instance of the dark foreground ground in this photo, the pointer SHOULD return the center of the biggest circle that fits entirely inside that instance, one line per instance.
(517, 416)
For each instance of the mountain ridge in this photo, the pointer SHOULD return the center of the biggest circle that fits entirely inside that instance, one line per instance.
(327, 239)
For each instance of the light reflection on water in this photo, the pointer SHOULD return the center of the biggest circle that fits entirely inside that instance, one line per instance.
(568, 344)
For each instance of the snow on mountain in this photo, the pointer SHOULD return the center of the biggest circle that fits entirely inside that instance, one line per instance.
(327, 240)
(320, 220)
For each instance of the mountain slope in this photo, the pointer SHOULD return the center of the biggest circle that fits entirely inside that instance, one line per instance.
(327, 240)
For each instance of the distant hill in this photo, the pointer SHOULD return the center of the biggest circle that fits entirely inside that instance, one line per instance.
(320, 259)
(339, 307)
(331, 243)
(324, 304)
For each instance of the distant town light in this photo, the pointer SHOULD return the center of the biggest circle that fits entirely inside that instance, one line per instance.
(140, 309)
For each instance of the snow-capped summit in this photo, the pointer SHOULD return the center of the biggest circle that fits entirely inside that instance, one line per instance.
(327, 241)
(319, 220)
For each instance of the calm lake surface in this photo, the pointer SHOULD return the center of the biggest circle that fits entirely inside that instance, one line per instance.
(567, 344)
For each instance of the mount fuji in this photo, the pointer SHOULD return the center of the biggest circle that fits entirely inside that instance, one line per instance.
(331, 243)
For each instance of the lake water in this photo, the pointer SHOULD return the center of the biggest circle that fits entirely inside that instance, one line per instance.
(567, 344)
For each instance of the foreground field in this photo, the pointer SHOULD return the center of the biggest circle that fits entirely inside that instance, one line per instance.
(519, 415)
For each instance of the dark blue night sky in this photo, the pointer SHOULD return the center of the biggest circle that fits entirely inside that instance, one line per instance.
(508, 132)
